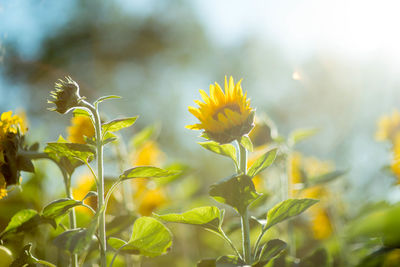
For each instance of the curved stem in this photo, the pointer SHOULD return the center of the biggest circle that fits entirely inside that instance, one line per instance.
(116, 254)
(45, 263)
(226, 238)
(100, 179)
(245, 214)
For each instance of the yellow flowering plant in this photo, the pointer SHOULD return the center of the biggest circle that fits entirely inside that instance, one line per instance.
(86, 140)
(226, 116)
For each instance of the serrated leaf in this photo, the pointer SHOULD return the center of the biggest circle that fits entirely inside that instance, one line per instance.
(325, 178)
(58, 208)
(22, 220)
(262, 162)
(147, 172)
(118, 124)
(246, 142)
(237, 191)
(288, 209)
(301, 134)
(149, 238)
(227, 150)
(207, 217)
(270, 250)
(101, 99)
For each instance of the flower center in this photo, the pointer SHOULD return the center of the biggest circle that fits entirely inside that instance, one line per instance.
(233, 106)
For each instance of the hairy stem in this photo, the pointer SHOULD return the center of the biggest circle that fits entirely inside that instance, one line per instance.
(245, 214)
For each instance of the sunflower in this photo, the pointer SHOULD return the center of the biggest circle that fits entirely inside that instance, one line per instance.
(11, 142)
(388, 127)
(81, 126)
(224, 116)
(65, 95)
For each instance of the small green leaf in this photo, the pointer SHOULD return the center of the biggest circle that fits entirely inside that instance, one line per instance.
(22, 220)
(237, 191)
(246, 142)
(101, 99)
(81, 112)
(262, 162)
(227, 150)
(77, 240)
(270, 250)
(207, 217)
(288, 209)
(325, 178)
(120, 223)
(149, 238)
(118, 124)
(301, 134)
(116, 243)
(71, 151)
(58, 208)
(147, 172)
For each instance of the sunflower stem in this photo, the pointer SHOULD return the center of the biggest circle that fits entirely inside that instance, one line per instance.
(245, 214)
(100, 181)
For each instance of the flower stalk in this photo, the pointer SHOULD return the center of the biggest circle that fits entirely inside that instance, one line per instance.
(100, 180)
(245, 214)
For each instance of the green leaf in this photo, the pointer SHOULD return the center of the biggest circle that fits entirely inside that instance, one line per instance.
(81, 112)
(207, 263)
(301, 134)
(270, 250)
(246, 142)
(149, 238)
(58, 208)
(71, 151)
(325, 178)
(207, 217)
(288, 209)
(116, 243)
(227, 150)
(237, 191)
(120, 223)
(262, 162)
(118, 124)
(22, 220)
(101, 99)
(147, 172)
(77, 240)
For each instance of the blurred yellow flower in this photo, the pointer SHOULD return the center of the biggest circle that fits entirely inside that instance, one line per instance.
(3, 186)
(11, 129)
(150, 200)
(321, 224)
(81, 126)
(147, 154)
(86, 183)
(224, 116)
(388, 126)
